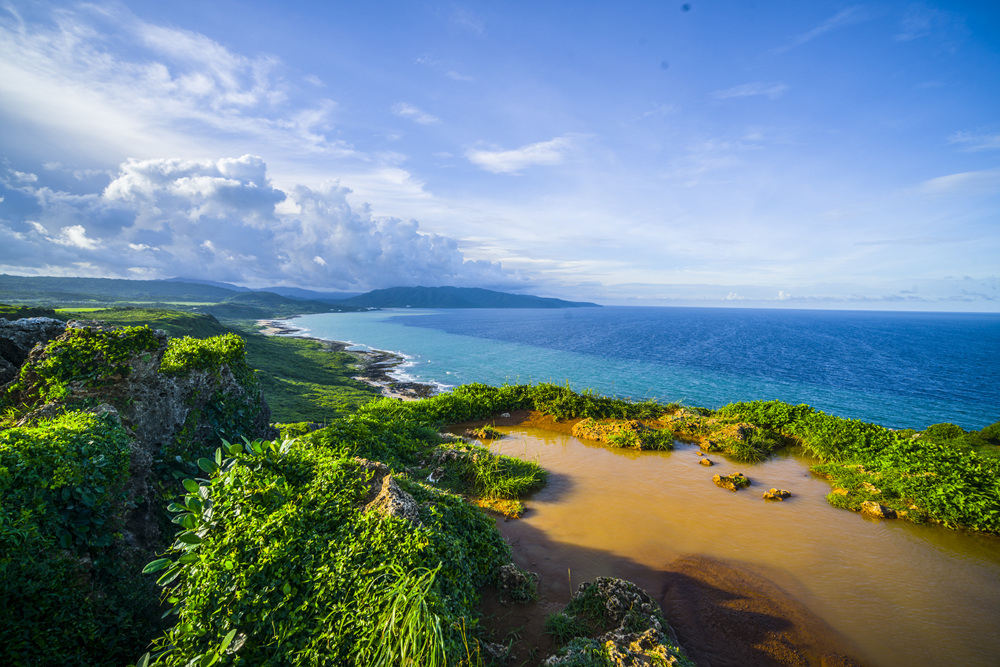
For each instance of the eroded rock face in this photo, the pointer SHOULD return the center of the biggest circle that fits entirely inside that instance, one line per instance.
(167, 415)
(17, 338)
(732, 482)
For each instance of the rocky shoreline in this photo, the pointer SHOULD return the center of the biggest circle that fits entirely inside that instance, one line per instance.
(375, 367)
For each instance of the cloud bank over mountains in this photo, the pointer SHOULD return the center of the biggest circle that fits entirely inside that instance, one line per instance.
(224, 220)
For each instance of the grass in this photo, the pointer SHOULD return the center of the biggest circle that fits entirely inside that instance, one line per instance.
(563, 627)
(303, 380)
(407, 631)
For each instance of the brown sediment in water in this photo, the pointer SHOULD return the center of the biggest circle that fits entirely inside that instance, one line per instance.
(726, 614)
(722, 613)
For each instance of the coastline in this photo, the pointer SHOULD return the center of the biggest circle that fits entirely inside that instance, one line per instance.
(375, 367)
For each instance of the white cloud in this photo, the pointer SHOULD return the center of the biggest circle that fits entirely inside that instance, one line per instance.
(465, 78)
(224, 220)
(75, 236)
(976, 141)
(986, 181)
(100, 81)
(545, 153)
(404, 110)
(772, 90)
(843, 18)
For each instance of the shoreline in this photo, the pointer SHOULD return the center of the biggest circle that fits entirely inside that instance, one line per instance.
(375, 367)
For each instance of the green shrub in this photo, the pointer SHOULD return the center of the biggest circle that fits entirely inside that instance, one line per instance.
(273, 547)
(69, 591)
(187, 354)
(88, 356)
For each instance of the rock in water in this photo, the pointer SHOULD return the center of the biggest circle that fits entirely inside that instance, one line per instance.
(516, 585)
(777, 494)
(872, 508)
(732, 482)
(633, 627)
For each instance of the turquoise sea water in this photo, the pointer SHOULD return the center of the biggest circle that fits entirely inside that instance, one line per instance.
(896, 369)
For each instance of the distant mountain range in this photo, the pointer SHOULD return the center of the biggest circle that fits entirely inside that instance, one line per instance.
(456, 297)
(232, 301)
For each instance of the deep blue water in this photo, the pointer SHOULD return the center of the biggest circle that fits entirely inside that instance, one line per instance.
(897, 369)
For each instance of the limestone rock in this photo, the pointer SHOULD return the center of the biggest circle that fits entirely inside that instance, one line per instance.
(638, 633)
(374, 472)
(777, 494)
(872, 508)
(393, 501)
(732, 482)
(17, 339)
(516, 585)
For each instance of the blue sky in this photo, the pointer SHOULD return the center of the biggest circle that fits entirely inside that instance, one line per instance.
(784, 154)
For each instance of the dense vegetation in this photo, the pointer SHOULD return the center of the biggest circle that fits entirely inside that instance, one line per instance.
(275, 558)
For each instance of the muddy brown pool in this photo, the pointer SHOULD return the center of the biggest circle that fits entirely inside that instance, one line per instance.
(893, 593)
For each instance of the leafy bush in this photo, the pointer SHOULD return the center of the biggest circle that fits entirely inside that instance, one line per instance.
(274, 548)
(187, 354)
(88, 356)
(69, 592)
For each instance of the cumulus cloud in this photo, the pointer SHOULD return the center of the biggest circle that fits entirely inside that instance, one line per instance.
(545, 153)
(404, 110)
(772, 90)
(224, 220)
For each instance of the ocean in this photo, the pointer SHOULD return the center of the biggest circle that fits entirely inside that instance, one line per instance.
(901, 370)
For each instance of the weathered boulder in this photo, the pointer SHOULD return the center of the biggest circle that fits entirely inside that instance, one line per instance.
(879, 511)
(18, 337)
(393, 501)
(633, 630)
(516, 585)
(706, 461)
(777, 494)
(732, 482)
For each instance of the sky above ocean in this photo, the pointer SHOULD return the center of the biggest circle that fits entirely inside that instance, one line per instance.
(778, 154)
